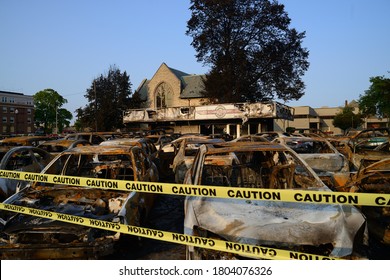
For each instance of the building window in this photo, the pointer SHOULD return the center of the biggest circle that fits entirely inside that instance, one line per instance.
(4, 99)
(161, 101)
(28, 120)
(185, 110)
(5, 109)
(5, 129)
(29, 111)
(4, 119)
(11, 100)
(11, 109)
(163, 95)
(11, 119)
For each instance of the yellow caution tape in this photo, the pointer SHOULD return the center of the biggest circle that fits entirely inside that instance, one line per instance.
(286, 195)
(246, 250)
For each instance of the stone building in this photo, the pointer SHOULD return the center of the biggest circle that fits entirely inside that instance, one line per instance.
(173, 99)
(17, 113)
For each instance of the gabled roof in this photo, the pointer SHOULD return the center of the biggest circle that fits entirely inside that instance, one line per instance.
(179, 74)
(192, 85)
(143, 89)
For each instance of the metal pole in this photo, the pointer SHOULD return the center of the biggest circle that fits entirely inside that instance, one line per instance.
(94, 89)
(16, 121)
(56, 118)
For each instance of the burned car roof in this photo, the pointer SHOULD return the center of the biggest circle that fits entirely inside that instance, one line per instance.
(99, 149)
(24, 140)
(59, 145)
(146, 144)
(94, 137)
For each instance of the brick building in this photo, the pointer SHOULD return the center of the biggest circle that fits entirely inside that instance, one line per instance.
(17, 113)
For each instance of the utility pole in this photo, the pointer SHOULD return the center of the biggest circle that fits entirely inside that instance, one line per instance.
(56, 118)
(94, 89)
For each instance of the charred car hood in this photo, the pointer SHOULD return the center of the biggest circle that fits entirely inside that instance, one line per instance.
(268, 223)
(25, 236)
(82, 202)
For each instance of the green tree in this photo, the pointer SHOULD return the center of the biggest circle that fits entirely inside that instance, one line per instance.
(135, 101)
(252, 52)
(48, 111)
(376, 100)
(108, 97)
(347, 119)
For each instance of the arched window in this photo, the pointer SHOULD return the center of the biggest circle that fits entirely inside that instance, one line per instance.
(163, 95)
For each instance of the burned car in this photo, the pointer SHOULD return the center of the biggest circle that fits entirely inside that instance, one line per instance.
(160, 140)
(375, 178)
(30, 237)
(370, 138)
(185, 154)
(324, 229)
(362, 157)
(167, 153)
(318, 152)
(21, 158)
(321, 155)
(146, 144)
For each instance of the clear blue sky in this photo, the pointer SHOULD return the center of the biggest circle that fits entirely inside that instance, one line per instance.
(66, 44)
